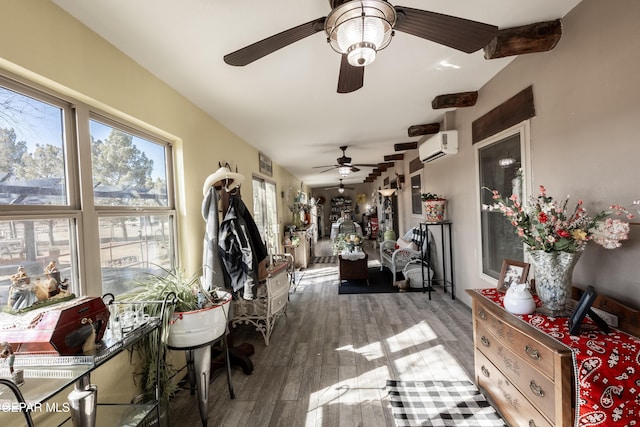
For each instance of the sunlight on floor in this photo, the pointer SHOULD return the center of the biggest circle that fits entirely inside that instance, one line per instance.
(415, 335)
(368, 387)
(414, 359)
(371, 351)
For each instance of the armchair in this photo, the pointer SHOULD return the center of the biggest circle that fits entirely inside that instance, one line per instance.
(412, 246)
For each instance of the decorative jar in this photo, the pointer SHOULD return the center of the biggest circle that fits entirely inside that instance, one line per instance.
(553, 272)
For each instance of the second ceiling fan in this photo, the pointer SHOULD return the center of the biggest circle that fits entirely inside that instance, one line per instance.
(344, 164)
(357, 29)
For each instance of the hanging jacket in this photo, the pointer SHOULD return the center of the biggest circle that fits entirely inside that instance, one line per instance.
(241, 247)
(212, 268)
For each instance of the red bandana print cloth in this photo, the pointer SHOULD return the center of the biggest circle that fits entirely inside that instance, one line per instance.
(607, 368)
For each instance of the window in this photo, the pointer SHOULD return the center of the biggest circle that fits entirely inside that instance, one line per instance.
(500, 163)
(116, 216)
(265, 213)
(129, 175)
(416, 188)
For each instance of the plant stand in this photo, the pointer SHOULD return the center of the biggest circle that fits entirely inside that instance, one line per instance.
(195, 332)
(199, 373)
(445, 247)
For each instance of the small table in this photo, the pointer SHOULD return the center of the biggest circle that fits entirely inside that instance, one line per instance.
(353, 269)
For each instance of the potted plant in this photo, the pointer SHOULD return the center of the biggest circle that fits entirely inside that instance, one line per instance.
(434, 207)
(196, 318)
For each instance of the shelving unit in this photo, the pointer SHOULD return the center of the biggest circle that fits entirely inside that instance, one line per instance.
(338, 205)
(443, 248)
(63, 371)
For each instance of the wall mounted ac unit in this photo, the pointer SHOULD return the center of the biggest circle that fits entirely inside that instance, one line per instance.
(432, 147)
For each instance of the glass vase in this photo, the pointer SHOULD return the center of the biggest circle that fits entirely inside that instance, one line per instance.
(553, 272)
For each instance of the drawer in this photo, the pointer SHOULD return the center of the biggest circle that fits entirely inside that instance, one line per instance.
(538, 388)
(532, 351)
(278, 302)
(516, 409)
(278, 283)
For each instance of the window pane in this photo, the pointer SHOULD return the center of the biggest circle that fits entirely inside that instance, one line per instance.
(500, 169)
(30, 246)
(131, 246)
(265, 213)
(416, 201)
(32, 163)
(127, 169)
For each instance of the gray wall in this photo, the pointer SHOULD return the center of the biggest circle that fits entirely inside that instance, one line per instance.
(584, 140)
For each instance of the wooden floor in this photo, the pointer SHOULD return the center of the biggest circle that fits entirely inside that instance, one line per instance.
(329, 358)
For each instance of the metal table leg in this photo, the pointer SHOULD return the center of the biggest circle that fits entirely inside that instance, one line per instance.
(199, 359)
(83, 400)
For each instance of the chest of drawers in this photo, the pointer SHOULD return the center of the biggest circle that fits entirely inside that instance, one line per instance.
(526, 374)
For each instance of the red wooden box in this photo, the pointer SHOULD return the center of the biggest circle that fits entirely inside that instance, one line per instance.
(58, 330)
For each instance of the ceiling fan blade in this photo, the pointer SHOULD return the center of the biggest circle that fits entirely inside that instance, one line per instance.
(351, 78)
(457, 33)
(327, 170)
(348, 188)
(354, 169)
(257, 50)
(325, 166)
(365, 165)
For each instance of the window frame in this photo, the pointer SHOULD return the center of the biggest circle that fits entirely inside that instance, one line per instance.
(80, 209)
(523, 129)
(417, 174)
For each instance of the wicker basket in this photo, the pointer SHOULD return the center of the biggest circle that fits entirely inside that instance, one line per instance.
(413, 271)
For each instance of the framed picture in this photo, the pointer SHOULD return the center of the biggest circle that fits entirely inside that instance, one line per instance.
(265, 165)
(584, 309)
(513, 273)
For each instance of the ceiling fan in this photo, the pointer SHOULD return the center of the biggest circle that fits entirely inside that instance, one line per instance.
(357, 29)
(340, 187)
(344, 164)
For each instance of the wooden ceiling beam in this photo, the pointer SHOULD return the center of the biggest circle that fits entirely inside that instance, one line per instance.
(532, 38)
(384, 166)
(455, 100)
(390, 157)
(428, 129)
(405, 146)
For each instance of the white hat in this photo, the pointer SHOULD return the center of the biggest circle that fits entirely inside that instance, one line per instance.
(216, 179)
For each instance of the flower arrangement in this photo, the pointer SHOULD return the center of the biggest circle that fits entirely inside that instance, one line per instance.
(545, 224)
(347, 242)
(431, 196)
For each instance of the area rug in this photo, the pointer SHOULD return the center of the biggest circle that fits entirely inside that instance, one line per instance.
(440, 403)
(379, 283)
(331, 259)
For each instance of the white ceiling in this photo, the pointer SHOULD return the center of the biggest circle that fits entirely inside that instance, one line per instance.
(286, 104)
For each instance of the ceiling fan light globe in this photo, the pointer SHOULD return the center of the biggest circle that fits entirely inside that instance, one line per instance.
(361, 54)
(344, 170)
(341, 190)
(360, 29)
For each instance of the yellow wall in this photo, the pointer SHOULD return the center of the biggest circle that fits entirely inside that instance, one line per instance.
(42, 45)
(46, 46)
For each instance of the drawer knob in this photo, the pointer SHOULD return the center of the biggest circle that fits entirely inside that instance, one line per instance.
(532, 352)
(482, 315)
(485, 341)
(532, 423)
(485, 371)
(536, 389)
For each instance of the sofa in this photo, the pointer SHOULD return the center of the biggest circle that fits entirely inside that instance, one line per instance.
(414, 245)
